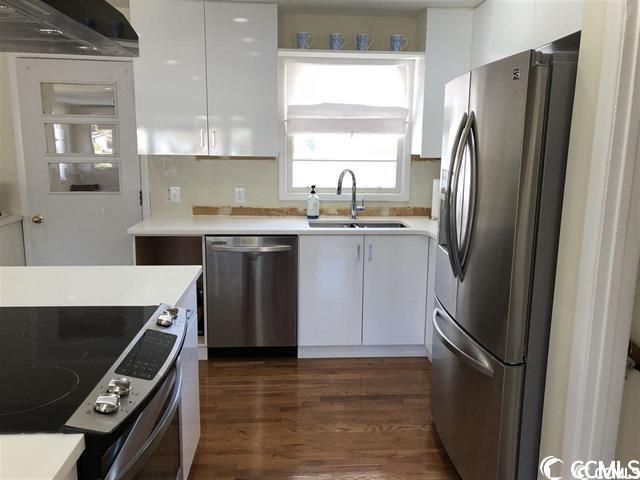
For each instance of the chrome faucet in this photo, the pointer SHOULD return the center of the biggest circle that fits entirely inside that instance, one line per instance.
(354, 207)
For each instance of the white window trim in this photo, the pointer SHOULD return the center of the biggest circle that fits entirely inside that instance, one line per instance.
(404, 164)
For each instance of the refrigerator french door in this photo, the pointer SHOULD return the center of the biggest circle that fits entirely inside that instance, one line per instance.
(504, 156)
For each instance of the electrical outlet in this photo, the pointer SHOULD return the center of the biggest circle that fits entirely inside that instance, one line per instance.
(238, 196)
(175, 195)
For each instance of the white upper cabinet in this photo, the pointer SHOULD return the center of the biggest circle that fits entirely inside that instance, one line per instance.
(395, 293)
(242, 78)
(170, 77)
(206, 78)
(447, 56)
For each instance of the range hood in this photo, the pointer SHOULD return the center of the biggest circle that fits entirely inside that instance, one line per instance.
(73, 27)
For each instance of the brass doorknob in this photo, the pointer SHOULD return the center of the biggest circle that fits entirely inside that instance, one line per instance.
(37, 218)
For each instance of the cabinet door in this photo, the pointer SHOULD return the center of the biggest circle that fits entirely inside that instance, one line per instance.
(395, 290)
(190, 396)
(330, 290)
(170, 77)
(431, 295)
(242, 58)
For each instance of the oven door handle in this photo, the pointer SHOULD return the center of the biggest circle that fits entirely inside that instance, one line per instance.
(135, 464)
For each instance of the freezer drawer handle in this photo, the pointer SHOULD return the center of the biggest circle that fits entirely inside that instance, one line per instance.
(267, 249)
(457, 351)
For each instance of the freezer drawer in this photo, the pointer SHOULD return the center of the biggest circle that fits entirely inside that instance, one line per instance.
(252, 291)
(475, 403)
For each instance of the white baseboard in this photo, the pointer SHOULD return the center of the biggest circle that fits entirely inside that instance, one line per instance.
(363, 351)
(203, 353)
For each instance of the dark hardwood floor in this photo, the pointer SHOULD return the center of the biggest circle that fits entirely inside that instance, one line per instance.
(346, 419)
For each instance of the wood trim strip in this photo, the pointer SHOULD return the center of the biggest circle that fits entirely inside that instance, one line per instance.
(229, 210)
(418, 158)
(233, 157)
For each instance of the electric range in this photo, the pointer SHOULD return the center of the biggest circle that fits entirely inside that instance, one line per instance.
(92, 370)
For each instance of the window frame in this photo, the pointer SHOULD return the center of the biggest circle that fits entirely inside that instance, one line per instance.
(403, 175)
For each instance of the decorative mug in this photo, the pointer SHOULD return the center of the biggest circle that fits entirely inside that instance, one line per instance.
(363, 41)
(397, 42)
(304, 40)
(337, 41)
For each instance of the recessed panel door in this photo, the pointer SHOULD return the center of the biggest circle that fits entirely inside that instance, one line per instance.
(82, 171)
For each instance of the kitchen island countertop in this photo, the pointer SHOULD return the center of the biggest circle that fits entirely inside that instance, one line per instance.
(53, 456)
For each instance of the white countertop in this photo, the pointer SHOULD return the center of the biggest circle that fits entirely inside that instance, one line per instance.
(102, 285)
(53, 456)
(241, 225)
(39, 456)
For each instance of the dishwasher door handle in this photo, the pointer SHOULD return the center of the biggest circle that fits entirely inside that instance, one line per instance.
(239, 249)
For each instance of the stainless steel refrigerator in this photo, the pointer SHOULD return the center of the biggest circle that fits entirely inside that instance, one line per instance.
(505, 142)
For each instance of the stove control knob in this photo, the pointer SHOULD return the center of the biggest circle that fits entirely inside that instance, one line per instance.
(107, 403)
(120, 386)
(173, 311)
(164, 320)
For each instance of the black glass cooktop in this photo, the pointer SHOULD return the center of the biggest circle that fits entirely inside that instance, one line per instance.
(52, 357)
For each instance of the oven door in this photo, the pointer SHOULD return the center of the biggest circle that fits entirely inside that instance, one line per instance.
(151, 448)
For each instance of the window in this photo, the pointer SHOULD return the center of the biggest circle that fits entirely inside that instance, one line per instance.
(346, 113)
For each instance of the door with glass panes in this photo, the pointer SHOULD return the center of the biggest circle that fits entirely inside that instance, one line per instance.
(82, 170)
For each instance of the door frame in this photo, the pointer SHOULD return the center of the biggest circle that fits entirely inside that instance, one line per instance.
(19, 147)
(610, 248)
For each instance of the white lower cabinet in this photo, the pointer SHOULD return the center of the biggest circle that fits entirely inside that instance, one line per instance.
(190, 397)
(431, 296)
(394, 301)
(357, 290)
(330, 290)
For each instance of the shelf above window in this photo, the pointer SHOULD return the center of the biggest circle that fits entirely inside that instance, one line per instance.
(370, 54)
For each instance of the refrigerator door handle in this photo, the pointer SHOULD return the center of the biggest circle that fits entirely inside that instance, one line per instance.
(448, 194)
(454, 178)
(478, 365)
(472, 140)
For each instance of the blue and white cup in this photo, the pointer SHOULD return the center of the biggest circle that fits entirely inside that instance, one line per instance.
(304, 40)
(363, 41)
(397, 42)
(337, 41)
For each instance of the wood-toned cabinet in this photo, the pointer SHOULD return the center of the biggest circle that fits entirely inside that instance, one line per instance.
(206, 78)
(362, 290)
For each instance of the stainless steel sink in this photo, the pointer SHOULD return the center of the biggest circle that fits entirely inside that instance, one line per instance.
(355, 224)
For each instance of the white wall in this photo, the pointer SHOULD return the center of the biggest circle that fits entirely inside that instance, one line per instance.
(11, 244)
(212, 182)
(505, 27)
(572, 227)
(9, 194)
(628, 447)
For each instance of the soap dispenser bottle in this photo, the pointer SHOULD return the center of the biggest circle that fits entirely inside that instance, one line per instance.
(313, 204)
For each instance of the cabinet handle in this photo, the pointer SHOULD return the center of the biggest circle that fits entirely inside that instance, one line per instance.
(202, 145)
(358, 249)
(370, 252)
(213, 138)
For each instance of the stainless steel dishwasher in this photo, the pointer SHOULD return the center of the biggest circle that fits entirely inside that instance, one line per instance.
(252, 291)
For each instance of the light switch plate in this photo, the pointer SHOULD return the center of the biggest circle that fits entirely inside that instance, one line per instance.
(238, 196)
(175, 195)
